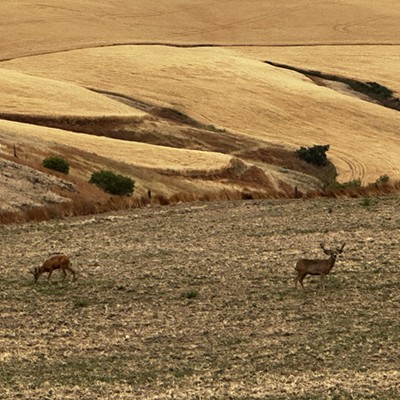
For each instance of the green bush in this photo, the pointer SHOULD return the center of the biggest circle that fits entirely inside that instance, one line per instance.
(56, 163)
(113, 183)
(315, 155)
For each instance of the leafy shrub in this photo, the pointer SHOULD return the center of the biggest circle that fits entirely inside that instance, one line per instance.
(113, 183)
(315, 155)
(56, 163)
(351, 184)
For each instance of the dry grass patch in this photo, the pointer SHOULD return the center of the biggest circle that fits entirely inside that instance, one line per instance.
(288, 160)
(231, 99)
(29, 196)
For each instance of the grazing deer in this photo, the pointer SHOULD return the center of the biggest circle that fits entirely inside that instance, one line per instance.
(60, 262)
(322, 268)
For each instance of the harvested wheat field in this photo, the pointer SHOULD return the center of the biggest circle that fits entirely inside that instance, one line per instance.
(57, 25)
(29, 95)
(365, 63)
(219, 88)
(198, 301)
(140, 154)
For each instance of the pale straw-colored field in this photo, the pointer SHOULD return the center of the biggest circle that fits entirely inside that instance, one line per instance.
(43, 72)
(46, 26)
(31, 95)
(366, 63)
(138, 154)
(226, 89)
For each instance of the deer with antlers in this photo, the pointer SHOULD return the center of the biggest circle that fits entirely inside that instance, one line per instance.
(319, 267)
(61, 262)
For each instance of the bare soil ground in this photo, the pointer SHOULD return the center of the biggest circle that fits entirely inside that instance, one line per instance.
(197, 302)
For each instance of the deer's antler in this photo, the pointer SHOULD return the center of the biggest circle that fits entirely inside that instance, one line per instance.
(326, 251)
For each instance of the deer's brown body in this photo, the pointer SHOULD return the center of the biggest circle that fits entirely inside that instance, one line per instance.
(61, 262)
(322, 268)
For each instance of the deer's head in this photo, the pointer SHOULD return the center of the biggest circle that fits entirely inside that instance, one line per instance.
(35, 272)
(333, 253)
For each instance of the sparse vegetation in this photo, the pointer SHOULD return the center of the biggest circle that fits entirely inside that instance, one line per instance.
(379, 89)
(382, 180)
(56, 163)
(355, 186)
(355, 183)
(113, 183)
(366, 202)
(81, 303)
(190, 294)
(178, 116)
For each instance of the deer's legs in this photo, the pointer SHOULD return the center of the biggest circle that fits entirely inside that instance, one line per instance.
(299, 278)
(296, 280)
(323, 281)
(64, 274)
(49, 275)
(73, 273)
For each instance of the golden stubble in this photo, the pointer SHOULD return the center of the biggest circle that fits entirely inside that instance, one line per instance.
(133, 153)
(68, 24)
(224, 88)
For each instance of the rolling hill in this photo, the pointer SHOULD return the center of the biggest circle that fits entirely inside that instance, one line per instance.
(182, 92)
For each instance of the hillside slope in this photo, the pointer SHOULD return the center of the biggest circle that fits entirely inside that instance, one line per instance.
(177, 95)
(222, 88)
(67, 24)
(31, 95)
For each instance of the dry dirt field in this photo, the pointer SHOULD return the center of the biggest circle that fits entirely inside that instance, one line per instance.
(197, 302)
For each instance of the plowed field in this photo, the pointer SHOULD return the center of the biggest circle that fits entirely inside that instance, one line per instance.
(198, 301)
